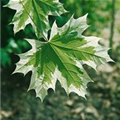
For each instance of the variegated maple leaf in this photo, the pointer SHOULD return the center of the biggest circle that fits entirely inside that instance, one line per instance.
(62, 58)
(34, 12)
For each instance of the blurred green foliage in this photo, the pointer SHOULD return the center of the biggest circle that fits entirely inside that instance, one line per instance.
(103, 100)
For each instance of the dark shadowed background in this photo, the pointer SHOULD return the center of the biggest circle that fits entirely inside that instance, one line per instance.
(103, 97)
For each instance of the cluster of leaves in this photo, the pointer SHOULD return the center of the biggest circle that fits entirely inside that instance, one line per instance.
(62, 56)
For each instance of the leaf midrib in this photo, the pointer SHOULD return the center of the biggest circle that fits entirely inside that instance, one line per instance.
(63, 64)
(33, 20)
(76, 50)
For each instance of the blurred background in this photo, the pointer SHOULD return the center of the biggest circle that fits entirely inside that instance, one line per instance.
(103, 97)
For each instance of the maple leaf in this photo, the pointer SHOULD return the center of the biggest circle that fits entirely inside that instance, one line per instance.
(34, 12)
(62, 58)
